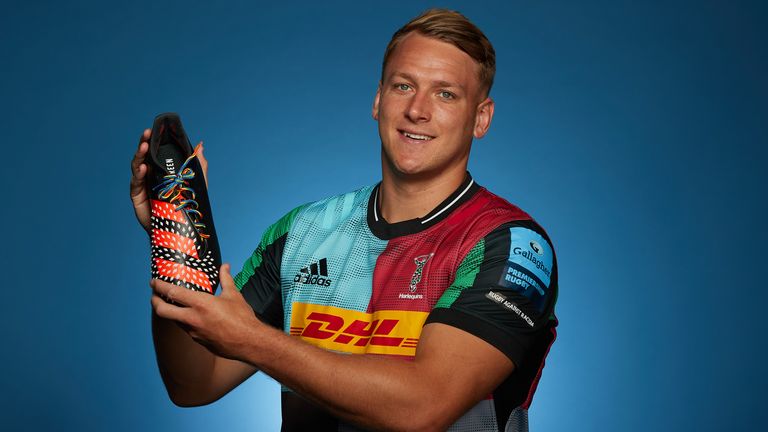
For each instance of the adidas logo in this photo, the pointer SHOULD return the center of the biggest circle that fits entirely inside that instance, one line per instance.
(314, 274)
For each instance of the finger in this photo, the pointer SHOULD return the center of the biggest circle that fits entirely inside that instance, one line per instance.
(137, 183)
(176, 294)
(138, 157)
(139, 168)
(203, 163)
(166, 310)
(145, 135)
(227, 283)
(144, 141)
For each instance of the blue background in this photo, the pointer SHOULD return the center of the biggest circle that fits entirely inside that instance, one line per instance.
(635, 132)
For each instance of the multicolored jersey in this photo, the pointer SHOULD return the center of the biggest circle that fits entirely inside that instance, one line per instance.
(337, 275)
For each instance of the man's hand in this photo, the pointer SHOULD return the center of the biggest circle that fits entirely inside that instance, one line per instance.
(139, 196)
(224, 324)
(138, 175)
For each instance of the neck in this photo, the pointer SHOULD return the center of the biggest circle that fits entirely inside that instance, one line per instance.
(404, 198)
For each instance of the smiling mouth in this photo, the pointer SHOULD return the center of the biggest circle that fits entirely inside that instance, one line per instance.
(414, 136)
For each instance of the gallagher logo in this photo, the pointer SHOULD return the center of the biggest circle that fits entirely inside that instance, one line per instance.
(530, 257)
(314, 274)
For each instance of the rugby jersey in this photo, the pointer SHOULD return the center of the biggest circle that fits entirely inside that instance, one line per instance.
(337, 275)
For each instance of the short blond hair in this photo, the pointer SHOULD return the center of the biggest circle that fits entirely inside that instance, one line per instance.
(454, 28)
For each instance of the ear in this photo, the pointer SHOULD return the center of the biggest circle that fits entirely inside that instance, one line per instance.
(483, 117)
(375, 111)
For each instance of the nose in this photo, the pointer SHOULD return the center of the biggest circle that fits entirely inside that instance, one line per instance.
(419, 109)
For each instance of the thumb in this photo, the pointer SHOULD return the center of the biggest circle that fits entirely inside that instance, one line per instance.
(228, 286)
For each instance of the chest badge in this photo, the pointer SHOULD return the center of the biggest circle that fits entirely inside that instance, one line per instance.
(420, 262)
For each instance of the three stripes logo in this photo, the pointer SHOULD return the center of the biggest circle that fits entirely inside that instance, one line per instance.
(314, 274)
(176, 251)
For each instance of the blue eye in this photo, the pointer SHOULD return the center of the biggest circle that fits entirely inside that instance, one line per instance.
(403, 87)
(447, 95)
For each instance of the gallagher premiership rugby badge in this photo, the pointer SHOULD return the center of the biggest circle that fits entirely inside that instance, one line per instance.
(529, 266)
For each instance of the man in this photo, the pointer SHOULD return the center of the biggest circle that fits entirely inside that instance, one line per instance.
(443, 292)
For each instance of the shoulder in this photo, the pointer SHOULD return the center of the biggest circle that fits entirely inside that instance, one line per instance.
(503, 215)
(326, 213)
(521, 246)
(342, 203)
(486, 217)
(510, 240)
(329, 212)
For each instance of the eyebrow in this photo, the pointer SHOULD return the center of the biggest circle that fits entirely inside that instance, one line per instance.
(438, 83)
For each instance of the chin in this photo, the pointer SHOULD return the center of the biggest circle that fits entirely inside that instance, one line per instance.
(414, 171)
(407, 166)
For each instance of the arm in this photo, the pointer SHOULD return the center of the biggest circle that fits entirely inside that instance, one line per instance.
(192, 375)
(452, 370)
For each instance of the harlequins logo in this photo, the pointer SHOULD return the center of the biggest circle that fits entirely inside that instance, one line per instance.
(314, 274)
(420, 262)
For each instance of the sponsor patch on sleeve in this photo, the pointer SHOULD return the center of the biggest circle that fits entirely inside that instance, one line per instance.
(529, 266)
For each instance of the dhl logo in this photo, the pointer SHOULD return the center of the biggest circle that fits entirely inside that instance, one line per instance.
(381, 332)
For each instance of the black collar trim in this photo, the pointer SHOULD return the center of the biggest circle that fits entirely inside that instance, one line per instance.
(386, 231)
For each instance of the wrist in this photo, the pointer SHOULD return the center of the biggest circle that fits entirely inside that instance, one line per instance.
(260, 344)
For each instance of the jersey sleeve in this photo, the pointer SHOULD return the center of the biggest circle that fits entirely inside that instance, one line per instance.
(259, 279)
(504, 290)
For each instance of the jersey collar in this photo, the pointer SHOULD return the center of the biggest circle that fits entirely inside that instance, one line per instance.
(386, 231)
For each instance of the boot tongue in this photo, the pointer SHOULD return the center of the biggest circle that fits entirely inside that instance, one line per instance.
(167, 135)
(157, 138)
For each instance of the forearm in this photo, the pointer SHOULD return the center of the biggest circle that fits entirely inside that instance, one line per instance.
(452, 370)
(374, 392)
(184, 365)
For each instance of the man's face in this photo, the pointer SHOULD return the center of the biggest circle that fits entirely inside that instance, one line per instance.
(429, 106)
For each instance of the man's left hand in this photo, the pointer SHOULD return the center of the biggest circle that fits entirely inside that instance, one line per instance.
(224, 324)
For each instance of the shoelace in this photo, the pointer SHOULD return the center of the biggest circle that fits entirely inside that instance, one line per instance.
(173, 187)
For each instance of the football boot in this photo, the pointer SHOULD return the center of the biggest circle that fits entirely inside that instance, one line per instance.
(185, 250)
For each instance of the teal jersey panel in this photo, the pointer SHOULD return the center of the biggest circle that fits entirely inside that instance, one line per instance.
(330, 255)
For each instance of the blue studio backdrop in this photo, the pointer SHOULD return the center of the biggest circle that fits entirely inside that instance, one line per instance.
(635, 132)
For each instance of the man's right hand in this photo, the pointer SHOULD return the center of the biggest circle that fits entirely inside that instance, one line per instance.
(139, 194)
(192, 375)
